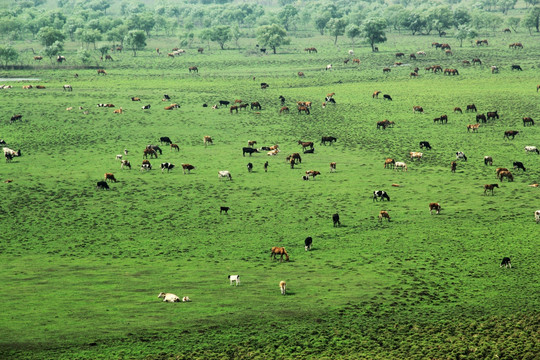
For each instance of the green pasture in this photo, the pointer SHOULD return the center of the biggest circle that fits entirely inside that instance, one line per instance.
(81, 268)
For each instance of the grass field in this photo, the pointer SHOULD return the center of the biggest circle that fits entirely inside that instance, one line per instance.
(82, 268)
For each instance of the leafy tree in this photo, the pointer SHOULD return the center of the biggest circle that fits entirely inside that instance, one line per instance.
(49, 36)
(462, 17)
(71, 25)
(99, 5)
(54, 50)
(532, 2)
(465, 32)
(287, 16)
(90, 36)
(532, 20)
(396, 16)
(221, 34)
(8, 54)
(118, 34)
(135, 40)
(352, 32)
(320, 22)
(84, 55)
(336, 27)
(441, 18)
(104, 50)
(513, 22)
(505, 5)
(495, 21)
(373, 31)
(272, 36)
(416, 22)
(236, 34)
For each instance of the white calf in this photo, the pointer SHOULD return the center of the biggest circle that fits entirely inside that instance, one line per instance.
(537, 216)
(234, 278)
(400, 165)
(118, 157)
(186, 299)
(168, 297)
(532, 149)
(283, 287)
(224, 174)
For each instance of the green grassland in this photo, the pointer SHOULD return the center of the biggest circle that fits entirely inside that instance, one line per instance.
(81, 268)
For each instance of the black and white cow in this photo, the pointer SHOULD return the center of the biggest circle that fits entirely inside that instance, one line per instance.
(380, 194)
(146, 107)
(425, 144)
(461, 155)
(506, 262)
(519, 165)
(308, 242)
(250, 167)
(248, 150)
(166, 165)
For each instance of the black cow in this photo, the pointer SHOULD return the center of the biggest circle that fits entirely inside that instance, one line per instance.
(380, 194)
(102, 185)
(282, 99)
(492, 115)
(2, 142)
(264, 85)
(335, 218)
(265, 148)
(224, 209)
(165, 139)
(249, 151)
(204, 105)
(519, 165)
(263, 50)
(16, 117)
(167, 166)
(517, 67)
(329, 139)
(425, 144)
(308, 243)
(250, 167)
(167, 97)
(146, 107)
(224, 102)
(387, 97)
(481, 117)
(309, 151)
(506, 262)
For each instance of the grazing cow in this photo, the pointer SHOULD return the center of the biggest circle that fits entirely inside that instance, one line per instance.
(167, 297)
(295, 157)
(400, 165)
(457, 109)
(509, 133)
(453, 166)
(67, 87)
(481, 118)
(307, 243)
(15, 118)
(279, 251)
(151, 152)
(60, 59)
(11, 153)
(384, 124)
(413, 74)
(425, 144)
(301, 74)
(224, 209)
(506, 262)
(332, 167)
(312, 173)
(264, 86)
(494, 69)
(146, 107)
(384, 214)
(422, 53)
(506, 174)
(234, 278)
(389, 163)
(329, 67)
(335, 219)
(537, 216)
(528, 121)
(519, 165)
(119, 157)
(380, 194)
(125, 163)
(399, 55)
(416, 155)
(473, 127)
(194, 69)
(376, 94)
(436, 207)
(386, 70)
(283, 287)
(418, 109)
(517, 67)
(329, 139)
(305, 109)
(109, 176)
(165, 139)
(175, 146)
(492, 115)
(488, 160)
(356, 61)
(146, 165)
(461, 155)
(101, 71)
(224, 174)
(498, 171)
(224, 102)
(187, 167)
(166, 165)
(38, 58)
(249, 151)
(488, 187)
(256, 105)
(471, 107)
(466, 62)
(284, 109)
(532, 149)
(207, 140)
(102, 185)
(40, 87)
(233, 107)
(387, 97)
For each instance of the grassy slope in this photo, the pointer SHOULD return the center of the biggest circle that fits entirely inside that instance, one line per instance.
(86, 266)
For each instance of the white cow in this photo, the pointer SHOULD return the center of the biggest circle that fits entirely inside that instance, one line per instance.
(329, 67)
(400, 165)
(351, 52)
(537, 216)
(224, 174)
(532, 149)
(234, 278)
(168, 297)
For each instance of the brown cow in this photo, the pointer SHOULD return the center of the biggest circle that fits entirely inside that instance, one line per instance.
(490, 187)
(384, 214)
(434, 206)
(101, 71)
(109, 176)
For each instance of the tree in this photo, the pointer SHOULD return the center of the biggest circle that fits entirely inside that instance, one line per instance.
(465, 32)
(84, 55)
(287, 16)
(320, 22)
(104, 50)
(352, 32)
(90, 36)
(236, 34)
(221, 34)
(513, 22)
(272, 36)
(462, 16)
(54, 50)
(135, 40)
(8, 54)
(336, 27)
(49, 36)
(373, 31)
(416, 22)
(119, 33)
(441, 18)
(505, 5)
(532, 20)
